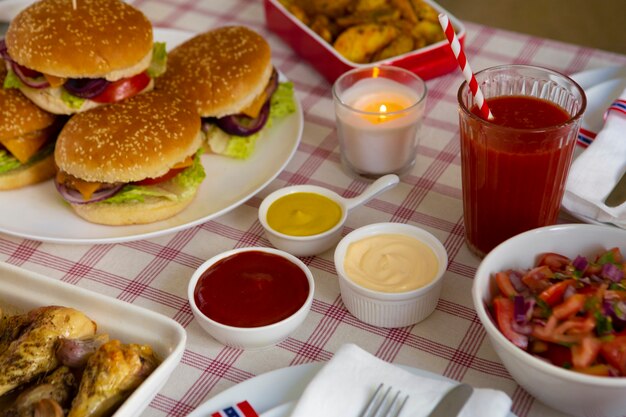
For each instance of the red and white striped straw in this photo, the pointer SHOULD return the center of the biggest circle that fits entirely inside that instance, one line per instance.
(465, 67)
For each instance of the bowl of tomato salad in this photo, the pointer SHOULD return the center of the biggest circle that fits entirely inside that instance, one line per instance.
(553, 304)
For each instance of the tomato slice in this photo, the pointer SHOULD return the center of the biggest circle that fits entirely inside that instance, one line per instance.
(124, 88)
(168, 175)
(504, 309)
(614, 352)
(569, 307)
(538, 278)
(503, 281)
(554, 261)
(554, 293)
(558, 355)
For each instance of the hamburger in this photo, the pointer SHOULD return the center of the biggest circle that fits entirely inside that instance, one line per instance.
(132, 162)
(227, 74)
(70, 60)
(27, 137)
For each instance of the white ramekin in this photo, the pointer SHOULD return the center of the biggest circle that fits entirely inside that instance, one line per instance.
(384, 309)
(251, 337)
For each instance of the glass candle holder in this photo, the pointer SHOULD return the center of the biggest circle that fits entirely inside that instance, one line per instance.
(379, 112)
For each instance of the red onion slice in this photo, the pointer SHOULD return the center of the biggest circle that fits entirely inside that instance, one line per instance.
(241, 125)
(86, 87)
(33, 82)
(611, 272)
(75, 197)
(4, 52)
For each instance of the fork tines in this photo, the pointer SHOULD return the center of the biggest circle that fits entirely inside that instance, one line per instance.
(383, 405)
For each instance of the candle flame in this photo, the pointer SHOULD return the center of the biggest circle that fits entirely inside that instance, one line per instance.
(382, 108)
(375, 72)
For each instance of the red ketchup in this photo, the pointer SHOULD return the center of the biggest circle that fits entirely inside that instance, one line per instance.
(514, 179)
(251, 289)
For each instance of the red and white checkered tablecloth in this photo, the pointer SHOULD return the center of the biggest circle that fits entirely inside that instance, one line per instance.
(154, 273)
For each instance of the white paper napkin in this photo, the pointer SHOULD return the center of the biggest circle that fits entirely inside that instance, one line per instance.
(345, 384)
(595, 172)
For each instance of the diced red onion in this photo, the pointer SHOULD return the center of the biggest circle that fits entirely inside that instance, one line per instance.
(242, 125)
(595, 278)
(580, 263)
(38, 81)
(524, 329)
(86, 87)
(611, 272)
(519, 310)
(75, 197)
(569, 291)
(516, 280)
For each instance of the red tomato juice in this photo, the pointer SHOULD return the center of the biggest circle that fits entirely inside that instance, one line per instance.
(514, 168)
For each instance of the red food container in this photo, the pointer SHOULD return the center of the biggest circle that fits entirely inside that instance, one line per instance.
(428, 62)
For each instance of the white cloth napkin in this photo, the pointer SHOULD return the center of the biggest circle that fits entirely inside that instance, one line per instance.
(595, 172)
(345, 384)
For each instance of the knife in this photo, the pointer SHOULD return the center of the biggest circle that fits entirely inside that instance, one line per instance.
(452, 401)
(618, 195)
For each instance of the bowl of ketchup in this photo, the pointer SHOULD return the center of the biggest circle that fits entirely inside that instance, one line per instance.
(251, 298)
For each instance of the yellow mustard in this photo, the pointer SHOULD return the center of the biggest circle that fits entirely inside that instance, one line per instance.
(303, 214)
(390, 263)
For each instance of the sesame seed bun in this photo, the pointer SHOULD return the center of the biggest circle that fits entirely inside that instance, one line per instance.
(96, 38)
(220, 71)
(20, 117)
(148, 211)
(142, 137)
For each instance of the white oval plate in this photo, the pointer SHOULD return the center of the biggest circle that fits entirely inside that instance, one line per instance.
(274, 393)
(38, 212)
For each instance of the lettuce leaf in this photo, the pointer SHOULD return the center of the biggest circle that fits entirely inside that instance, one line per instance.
(71, 100)
(178, 188)
(159, 60)
(8, 162)
(12, 80)
(282, 104)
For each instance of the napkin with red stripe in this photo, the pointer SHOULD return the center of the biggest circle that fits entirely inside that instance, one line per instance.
(345, 384)
(596, 171)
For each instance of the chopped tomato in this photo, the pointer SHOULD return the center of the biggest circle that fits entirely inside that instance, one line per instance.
(559, 355)
(124, 88)
(554, 293)
(503, 281)
(168, 175)
(538, 279)
(596, 370)
(585, 353)
(614, 352)
(569, 307)
(554, 261)
(504, 309)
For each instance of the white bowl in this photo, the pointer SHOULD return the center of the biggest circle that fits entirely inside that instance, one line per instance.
(384, 309)
(567, 391)
(251, 337)
(321, 242)
(23, 290)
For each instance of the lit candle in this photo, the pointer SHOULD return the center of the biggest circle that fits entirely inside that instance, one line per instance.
(377, 121)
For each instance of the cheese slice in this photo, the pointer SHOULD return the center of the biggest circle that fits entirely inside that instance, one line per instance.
(255, 107)
(85, 188)
(25, 146)
(187, 162)
(55, 81)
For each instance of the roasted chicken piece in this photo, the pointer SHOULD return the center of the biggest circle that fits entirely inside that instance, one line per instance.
(10, 328)
(46, 399)
(32, 352)
(110, 376)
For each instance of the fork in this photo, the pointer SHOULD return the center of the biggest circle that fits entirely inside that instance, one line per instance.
(392, 405)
